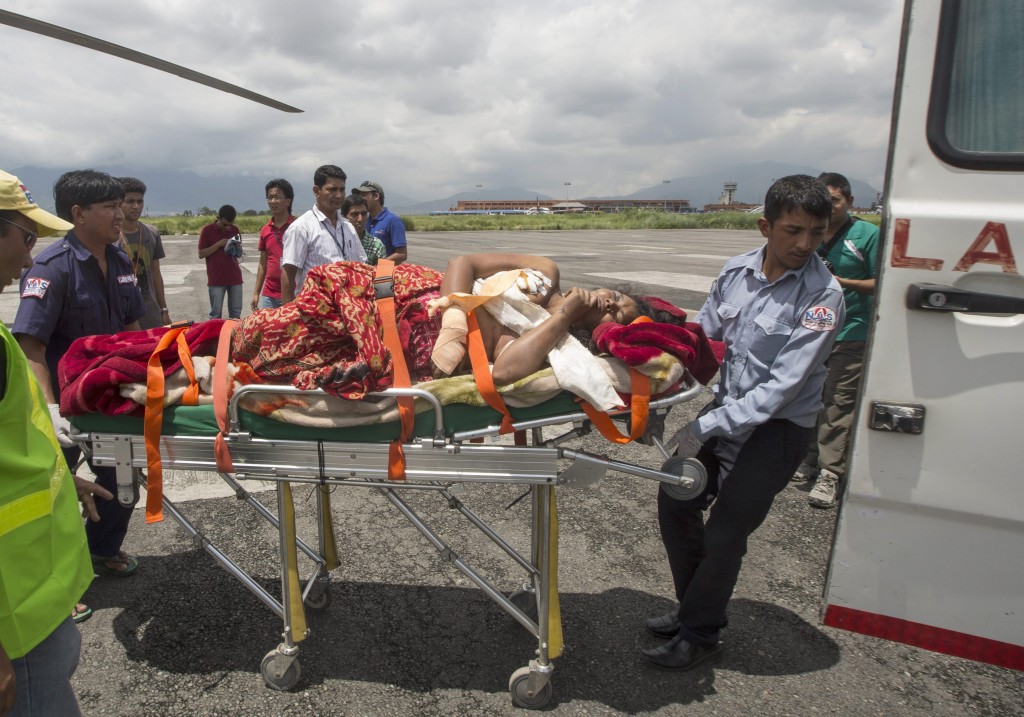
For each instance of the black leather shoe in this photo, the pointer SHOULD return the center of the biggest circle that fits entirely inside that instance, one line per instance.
(665, 626)
(680, 654)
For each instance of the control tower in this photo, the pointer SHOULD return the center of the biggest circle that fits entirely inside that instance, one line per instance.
(728, 193)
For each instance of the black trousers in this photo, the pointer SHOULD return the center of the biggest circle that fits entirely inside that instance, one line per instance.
(106, 535)
(705, 559)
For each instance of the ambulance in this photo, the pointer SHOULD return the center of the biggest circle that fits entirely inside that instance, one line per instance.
(929, 546)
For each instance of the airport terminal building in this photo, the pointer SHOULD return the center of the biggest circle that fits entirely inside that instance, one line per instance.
(579, 205)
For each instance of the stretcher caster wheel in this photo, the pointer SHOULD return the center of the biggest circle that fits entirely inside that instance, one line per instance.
(319, 598)
(525, 600)
(690, 468)
(518, 685)
(277, 675)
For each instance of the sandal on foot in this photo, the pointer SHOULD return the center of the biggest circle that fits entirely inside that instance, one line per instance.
(81, 613)
(119, 566)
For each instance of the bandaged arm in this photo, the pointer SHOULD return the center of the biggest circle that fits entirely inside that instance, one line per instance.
(450, 346)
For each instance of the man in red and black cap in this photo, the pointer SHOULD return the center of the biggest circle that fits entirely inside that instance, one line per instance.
(383, 224)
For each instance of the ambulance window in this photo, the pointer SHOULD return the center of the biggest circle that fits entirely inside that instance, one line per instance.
(977, 101)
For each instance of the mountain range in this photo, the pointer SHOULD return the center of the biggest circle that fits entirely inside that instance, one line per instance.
(171, 192)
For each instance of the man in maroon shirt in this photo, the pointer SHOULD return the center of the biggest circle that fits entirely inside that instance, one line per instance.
(218, 245)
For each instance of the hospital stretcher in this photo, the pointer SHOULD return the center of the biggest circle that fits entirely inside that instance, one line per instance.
(439, 458)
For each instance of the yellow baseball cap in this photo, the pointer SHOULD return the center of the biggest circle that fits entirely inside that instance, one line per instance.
(15, 196)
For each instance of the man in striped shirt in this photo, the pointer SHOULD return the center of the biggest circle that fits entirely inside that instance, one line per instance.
(321, 235)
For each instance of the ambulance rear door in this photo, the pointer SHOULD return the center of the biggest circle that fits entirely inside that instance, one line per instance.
(929, 547)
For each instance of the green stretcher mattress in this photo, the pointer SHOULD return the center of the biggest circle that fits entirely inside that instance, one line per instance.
(200, 421)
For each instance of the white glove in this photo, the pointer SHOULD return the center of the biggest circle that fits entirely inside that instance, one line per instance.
(687, 444)
(60, 426)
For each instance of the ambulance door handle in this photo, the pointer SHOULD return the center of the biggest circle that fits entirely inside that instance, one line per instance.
(938, 297)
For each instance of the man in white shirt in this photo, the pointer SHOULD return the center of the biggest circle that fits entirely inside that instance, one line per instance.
(321, 235)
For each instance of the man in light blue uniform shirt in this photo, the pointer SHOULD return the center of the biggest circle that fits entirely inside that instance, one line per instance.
(778, 310)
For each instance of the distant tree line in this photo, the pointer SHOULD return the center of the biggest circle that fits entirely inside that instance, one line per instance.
(208, 212)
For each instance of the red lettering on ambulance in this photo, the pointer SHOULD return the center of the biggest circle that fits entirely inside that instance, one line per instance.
(1003, 255)
(901, 237)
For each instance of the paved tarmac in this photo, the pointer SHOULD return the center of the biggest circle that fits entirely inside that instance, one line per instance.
(407, 634)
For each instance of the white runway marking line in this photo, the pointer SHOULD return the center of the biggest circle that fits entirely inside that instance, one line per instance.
(691, 282)
(718, 257)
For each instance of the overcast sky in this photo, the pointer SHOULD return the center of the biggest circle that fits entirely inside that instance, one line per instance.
(434, 97)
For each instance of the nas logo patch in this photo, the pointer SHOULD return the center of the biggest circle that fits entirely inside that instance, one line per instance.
(35, 287)
(819, 318)
(127, 279)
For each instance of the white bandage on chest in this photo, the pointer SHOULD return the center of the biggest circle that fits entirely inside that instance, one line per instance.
(575, 368)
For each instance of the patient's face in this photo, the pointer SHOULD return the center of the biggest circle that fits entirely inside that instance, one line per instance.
(613, 306)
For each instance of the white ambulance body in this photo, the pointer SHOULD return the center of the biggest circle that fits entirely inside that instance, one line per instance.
(929, 548)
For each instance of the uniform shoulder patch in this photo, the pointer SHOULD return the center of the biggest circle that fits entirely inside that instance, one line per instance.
(819, 318)
(128, 279)
(35, 287)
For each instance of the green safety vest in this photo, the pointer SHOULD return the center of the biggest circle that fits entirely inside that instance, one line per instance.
(44, 560)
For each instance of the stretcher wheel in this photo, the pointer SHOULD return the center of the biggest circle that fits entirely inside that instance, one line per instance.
(518, 685)
(319, 598)
(525, 600)
(272, 675)
(691, 468)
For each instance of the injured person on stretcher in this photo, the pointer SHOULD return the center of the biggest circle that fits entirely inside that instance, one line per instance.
(518, 348)
(330, 336)
(349, 333)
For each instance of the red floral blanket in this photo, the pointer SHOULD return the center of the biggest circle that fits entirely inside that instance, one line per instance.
(330, 336)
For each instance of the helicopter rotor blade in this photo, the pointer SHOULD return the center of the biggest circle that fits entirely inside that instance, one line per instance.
(94, 43)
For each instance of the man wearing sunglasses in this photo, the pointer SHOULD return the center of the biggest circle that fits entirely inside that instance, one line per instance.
(44, 557)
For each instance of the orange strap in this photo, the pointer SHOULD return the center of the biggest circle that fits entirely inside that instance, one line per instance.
(482, 373)
(221, 452)
(154, 416)
(400, 371)
(191, 395)
(640, 385)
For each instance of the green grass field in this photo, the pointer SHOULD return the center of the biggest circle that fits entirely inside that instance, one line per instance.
(632, 219)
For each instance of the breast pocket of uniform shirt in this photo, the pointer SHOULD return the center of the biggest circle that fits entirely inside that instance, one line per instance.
(128, 294)
(80, 312)
(727, 313)
(770, 334)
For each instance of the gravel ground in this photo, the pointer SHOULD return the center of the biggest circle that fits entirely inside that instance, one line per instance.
(406, 633)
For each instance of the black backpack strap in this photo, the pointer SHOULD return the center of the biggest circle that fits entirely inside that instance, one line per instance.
(3, 368)
(825, 249)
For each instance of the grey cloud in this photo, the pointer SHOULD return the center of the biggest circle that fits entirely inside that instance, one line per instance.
(446, 94)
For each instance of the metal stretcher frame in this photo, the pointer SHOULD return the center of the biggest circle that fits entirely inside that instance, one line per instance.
(436, 463)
